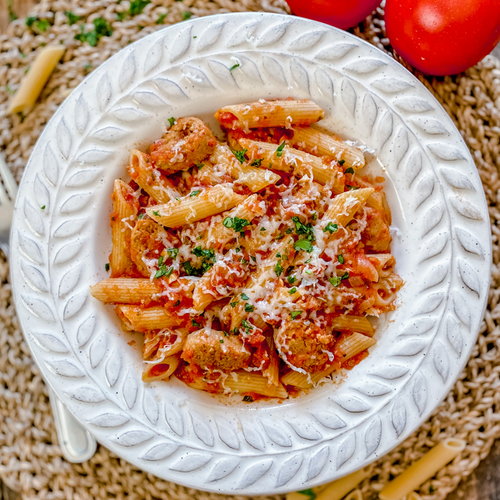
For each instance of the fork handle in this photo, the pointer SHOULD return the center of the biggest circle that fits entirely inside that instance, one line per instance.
(77, 444)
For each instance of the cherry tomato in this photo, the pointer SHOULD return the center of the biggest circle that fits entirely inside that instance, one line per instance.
(443, 37)
(339, 13)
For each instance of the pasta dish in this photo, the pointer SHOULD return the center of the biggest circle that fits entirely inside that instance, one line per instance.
(250, 266)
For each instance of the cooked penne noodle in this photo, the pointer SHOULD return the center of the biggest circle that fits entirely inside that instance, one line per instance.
(279, 113)
(33, 83)
(350, 345)
(124, 213)
(343, 207)
(192, 208)
(293, 161)
(161, 371)
(422, 470)
(306, 381)
(125, 290)
(253, 382)
(336, 490)
(350, 323)
(319, 143)
(158, 345)
(142, 319)
(272, 372)
(383, 258)
(148, 178)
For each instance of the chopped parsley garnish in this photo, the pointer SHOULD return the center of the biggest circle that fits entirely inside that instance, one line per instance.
(101, 28)
(244, 261)
(336, 280)
(40, 24)
(155, 212)
(315, 216)
(331, 228)
(173, 252)
(43, 208)
(278, 254)
(233, 304)
(237, 249)
(195, 193)
(349, 170)
(340, 258)
(199, 166)
(234, 66)
(186, 15)
(72, 18)
(262, 228)
(178, 303)
(289, 231)
(171, 120)
(303, 245)
(308, 493)
(247, 325)
(160, 260)
(221, 341)
(244, 296)
(278, 268)
(140, 216)
(291, 279)
(161, 18)
(137, 6)
(195, 323)
(236, 224)
(341, 162)
(248, 308)
(280, 149)
(303, 229)
(205, 254)
(308, 260)
(248, 399)
(351, 188)
(253, 258)
(163, 271)
(279, 236)
(106, 266)
(295, 314)
(292, 290)
(240, 155)
(208, 258)
(256, 163)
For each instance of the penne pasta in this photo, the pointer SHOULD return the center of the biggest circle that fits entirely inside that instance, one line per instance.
(319, 143)
(343, 207)
(350, 323)
(125, 210)
(354, 495)
(38, 75)
(350, 345)
(125, 291)
(306, 380)
(166, 342)
(254, 383)
(272, 372)
(422, 470)
(195, 207)
(336, 490)
(413, 496)
(293, 161)
(162, 370)
(142, 319)
(279, 113)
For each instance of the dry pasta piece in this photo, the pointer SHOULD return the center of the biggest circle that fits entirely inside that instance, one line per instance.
(306, 380)
(33, 83)
(293, 161)
(125, 209)
(353, 324)
(125, 291)
(279, 113)
(254, 383)
(341, 487)
(354, 495)
(321, 144)
(195, 206)
(143, 319)
(350, 345)
(140, 169)
(414, 496)
(422, 470)
(162, 370)
(343, 207)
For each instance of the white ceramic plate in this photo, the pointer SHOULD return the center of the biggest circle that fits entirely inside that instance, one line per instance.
(442, 246)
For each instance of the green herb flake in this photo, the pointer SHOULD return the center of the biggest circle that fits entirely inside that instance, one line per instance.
(195, 323)
(186, 15)
(292, 290)
(240, 155)
(295, 314)
(156, 213)
(233, 304)
(263, 229)
(163, 271)
(140, 216)
(308, 260)
(160, 260)
(30, 20)
(291, 279)
(171, 120)
(235, 223)
(42, 25)
(246, 324)
(101, 28)
(234, 66)
(253, 258)
(315, 216)
(221, 341)
(106, 267)
(256, 163)
(244, 261)
(280, 149)
(43, 208)
(244, 296)
(341, 162)
(352, 188)
(308, 493)
(345, 276)
(331, 228)
(303, 229)
(72, 18)
(178, 303)
(237, 249)
(305, 245)
(173, 252)
(199, 166)
(161, 18)
(248, 399)
(137, 6)
(289, 231)
(248, 308)
(340, 258)
(195, 193)
(349, 170)
(278, 268)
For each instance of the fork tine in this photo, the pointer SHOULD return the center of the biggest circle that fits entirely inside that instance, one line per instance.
(8, 180)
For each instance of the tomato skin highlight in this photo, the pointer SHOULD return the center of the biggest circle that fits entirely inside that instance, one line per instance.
(342, 14)
(443, 37)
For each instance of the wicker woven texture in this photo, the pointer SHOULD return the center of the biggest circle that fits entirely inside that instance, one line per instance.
(30, 459)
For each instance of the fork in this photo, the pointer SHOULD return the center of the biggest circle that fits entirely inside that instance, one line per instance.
(77, 444)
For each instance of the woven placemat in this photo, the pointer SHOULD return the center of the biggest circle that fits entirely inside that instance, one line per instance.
(30, 458)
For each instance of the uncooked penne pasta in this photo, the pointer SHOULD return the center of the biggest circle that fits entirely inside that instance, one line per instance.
(319, 143)
(125, 290)
(336, 490)
(122, 218)
(306, 381)
(142, 319)
(354, 495)
(422, 470)
(195, 206)
(279, 113)
(293, 161)
(148, 178)
(162, 370)
(347, 322)
(350, 345)
(33, 83)
(413, 496)
(343, 207)
(253, 382)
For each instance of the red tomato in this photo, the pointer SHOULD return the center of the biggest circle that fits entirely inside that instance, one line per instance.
(443, 37)
(340, 13)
